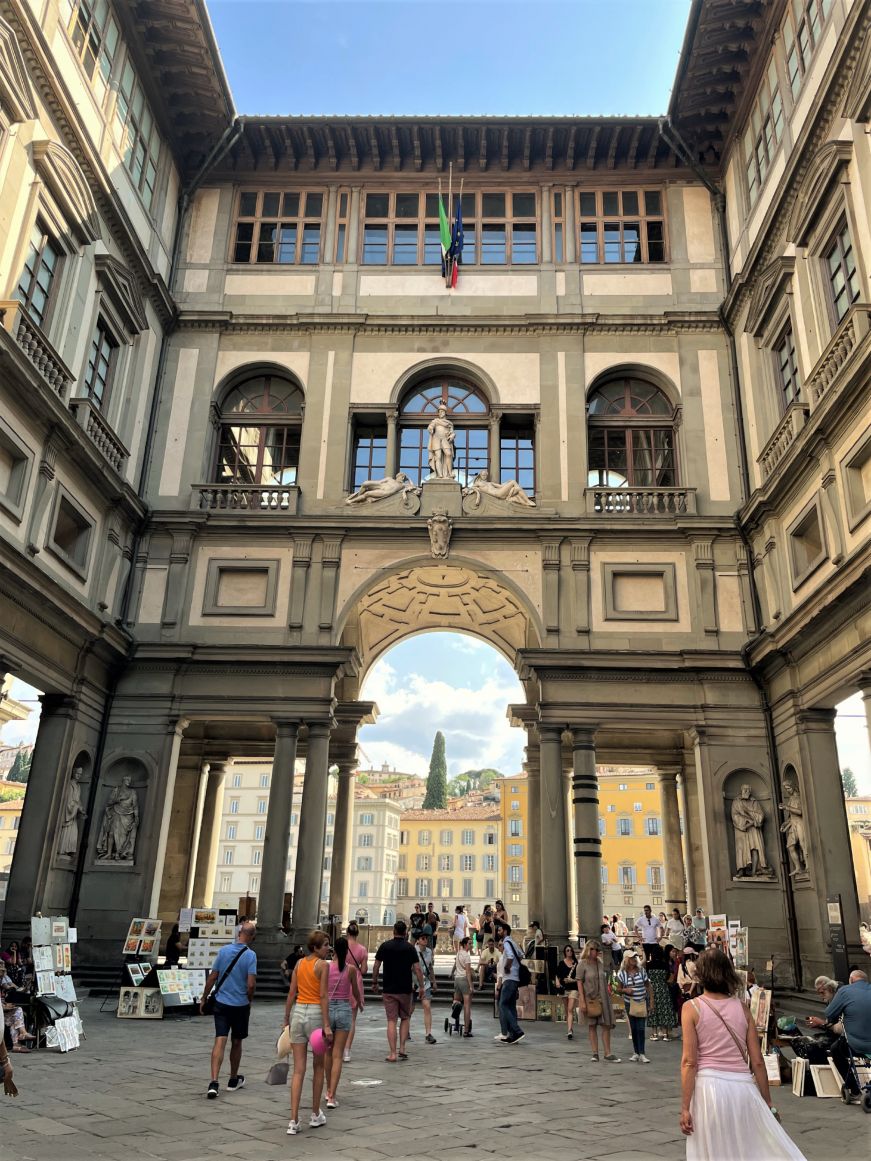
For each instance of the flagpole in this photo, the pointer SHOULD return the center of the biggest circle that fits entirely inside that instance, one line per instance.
(449, 261)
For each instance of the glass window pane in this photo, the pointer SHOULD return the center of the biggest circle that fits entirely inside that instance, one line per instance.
(558, 205)
(313, 205)
(405, 246)
(613, 249)
(652, 202)
(524, 205)
(311, 245)
(376, 205)
(270, 204)
(655, 243)
(407, 205)
(343, 205)
(290, 205)
(287, 244)
(247, 204)
(375, 245)
(492, 245)
(558, 242)
(469, 255)
(631, 242)
(589, 242)
(432, 248)
(432, 206)
(588, 205)
(630, 201)
(523, 244)
(493, 205)
(266, 242)
(611, 203)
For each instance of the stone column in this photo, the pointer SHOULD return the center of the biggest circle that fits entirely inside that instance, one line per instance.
(534, 894)
(30, 866)
(312, 829)
(206, 858)
(865, 687)
(392, 453)
(672, 847)
(343, 842)
(495, 441)
(554, 854)
(686, 845)
(588, 844)
(273, 872)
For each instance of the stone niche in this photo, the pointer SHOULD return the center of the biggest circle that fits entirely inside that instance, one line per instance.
(119, 812)
(751, 828)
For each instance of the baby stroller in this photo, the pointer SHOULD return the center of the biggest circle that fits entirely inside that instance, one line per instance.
(453, 1024)
(847, 1093)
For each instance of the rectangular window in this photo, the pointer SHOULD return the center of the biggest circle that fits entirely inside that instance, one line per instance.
(627, 878)
(654, 879)
(638, 807)
(515, 873)
(841, 267)
(94, 34)
(446, 862)
(424, 863)
(489, 838)
(611, 808)
(403, 838)
(604, 873)
(620, 226)
(489, 888)
(446, 888)
(226, 882)
(256, 856)
(261, 805)
(649, 785)
(517, 452)
(367, 820)
(274, 227)
(264, 781)
(763, 132)
(370, 453)
(342, 226)
(515, 828)
(258, 833)
(515, 806)
(253, 882)
(446, 838)
(40, 267)
(653, 826)
(363, 889)
(294, 819)
(787, 367)
(231, 830)
(237, 781)
(515, 850)
(366, 840)
(804, 22)
(101, 363)
(624, 826)
(328, 840)
(402, 887)
(467, 863)
(623, 786)
(601, 828)
(424, 837)
(423, 888)
(364, 863)
(558, 217)
(234, 806)
(489, 865)
(140, 143)
(228, 857)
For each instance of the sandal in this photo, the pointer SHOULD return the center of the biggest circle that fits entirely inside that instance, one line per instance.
(390, 1059)
(403, 1056)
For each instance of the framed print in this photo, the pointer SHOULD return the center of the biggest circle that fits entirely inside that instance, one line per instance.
(152, 1004)
(40, 930)
(67, 958)
(136, 975)
(131, 945)
(760, 1007)
(59, 929)
(137, 928)
(148, 946)
(65, 988)
(205, 915)
(43, 959)
(45, 983)
(152, 927)
(128, 1003)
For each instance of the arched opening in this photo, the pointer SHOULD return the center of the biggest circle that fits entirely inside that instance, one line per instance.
(631, 433)
(260, 430)
(463, 832)
(467, 408)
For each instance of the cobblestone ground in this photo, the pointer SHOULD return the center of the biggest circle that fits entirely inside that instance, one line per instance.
(135, 1090)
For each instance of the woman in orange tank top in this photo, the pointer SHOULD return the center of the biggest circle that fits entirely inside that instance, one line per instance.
(307, 1010)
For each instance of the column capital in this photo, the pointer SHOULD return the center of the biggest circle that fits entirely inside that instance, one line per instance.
(549, 733)
(812, 720)
(320, 729)
(347, 769)
(583, 738)
(286, 727)
(863, 681)
(668, 773)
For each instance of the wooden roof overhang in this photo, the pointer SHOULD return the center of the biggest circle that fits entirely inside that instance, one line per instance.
(722, 54)
(408, 145)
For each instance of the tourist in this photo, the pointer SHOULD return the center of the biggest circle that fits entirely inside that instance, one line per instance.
(700, 931)
(594, 999)
(14, 963)
(308, 1010)
(426, 958)
(13, 1013)
(500, 914)
(662, 1016)
(687, 980)
(508, 986)
(649, 930)
(534, 939)
(360, 955)
(611, 944)
(674, 929)
(726, 1110)
(619, 928)
(853, 1004)
(688, 932)
(633, 984)
(232, 978)
(487, 962)
(400, 961)
(432, 921)
(343, 986)
(6, 1071)
(290, 961)
(486, 929)
(416, 921)
(461, 927)
(567, 983)
(463, 985)
(673, 961)
(173, 948)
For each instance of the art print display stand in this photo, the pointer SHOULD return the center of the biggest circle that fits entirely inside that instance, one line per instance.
(52, 938)
(139, 951)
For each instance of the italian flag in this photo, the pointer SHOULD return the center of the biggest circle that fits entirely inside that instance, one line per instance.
(444, 230)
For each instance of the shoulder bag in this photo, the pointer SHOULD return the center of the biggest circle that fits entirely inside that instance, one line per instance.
(209, 1007)
(524, 975)
(638, 1008)
(594, 1004)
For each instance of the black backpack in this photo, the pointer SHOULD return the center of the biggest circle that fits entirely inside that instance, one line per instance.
(525, 977)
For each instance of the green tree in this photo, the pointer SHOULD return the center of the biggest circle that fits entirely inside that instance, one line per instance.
(20, 771)
(437, 779)
(848, 782)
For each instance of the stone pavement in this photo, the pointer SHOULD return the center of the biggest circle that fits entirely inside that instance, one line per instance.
(135, 1091)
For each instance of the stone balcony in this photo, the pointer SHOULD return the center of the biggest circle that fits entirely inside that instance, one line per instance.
(258, 499)
(785, 434)
(89, 418)
(850, 344)
(611, 501)
(37, 348)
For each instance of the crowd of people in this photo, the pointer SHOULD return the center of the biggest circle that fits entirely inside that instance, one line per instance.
(17, 986)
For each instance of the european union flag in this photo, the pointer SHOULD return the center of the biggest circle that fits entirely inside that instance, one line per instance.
(456, 251)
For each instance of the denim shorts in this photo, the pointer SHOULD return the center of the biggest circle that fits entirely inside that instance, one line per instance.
(340, 1015)
(303, 1021)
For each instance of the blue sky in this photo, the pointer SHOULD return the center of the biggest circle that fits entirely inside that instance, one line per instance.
(451, 57)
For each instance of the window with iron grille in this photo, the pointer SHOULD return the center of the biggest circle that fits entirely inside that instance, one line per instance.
(631, 436)
(763, 132)
(787, 367)
(101, 363)
(620, 226)
(37, 278)
(278, 227)
(261, 424)
(843, 276)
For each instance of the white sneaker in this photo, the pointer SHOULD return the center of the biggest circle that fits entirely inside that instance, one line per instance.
(501, 1036)
(642, 1059)
(346, 1056)
(292, 1128)
(332, 1103)
(316, 1120)
(634, 1057)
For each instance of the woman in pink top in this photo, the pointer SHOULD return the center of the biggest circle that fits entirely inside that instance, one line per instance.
(360, 955)
(726, 1109)
(343, 986)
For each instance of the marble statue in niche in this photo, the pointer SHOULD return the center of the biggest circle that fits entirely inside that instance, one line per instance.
(748, 819)
(116, 841)
(71, 812)
(793, 828)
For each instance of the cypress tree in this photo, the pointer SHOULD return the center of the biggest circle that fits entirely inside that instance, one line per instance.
(437, 779)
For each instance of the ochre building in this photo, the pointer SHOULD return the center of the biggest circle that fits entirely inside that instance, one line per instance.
(217, 327)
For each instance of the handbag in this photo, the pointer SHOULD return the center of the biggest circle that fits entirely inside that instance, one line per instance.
(209, 1006)
(278, 1073)
(638, 1009)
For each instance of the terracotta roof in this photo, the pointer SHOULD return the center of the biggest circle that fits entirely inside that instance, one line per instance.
(469, 813)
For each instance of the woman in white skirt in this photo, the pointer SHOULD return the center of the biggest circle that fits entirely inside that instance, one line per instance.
(726, 1111)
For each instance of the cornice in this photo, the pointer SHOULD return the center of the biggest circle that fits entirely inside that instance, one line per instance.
(701, 322)
(47, 81)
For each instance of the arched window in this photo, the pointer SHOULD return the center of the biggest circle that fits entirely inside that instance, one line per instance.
(261, 421)
(468, 411)
(631, 436)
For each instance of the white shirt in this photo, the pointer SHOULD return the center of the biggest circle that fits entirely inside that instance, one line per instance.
(649, 928)
(674, 927)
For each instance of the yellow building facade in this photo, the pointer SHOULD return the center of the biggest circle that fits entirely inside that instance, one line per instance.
(859, 821)
(630, 826)
(10, 818)
(449, 857)
(514, 818)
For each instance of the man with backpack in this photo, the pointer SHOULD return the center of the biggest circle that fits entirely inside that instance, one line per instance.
(233, 977)
(511, 975)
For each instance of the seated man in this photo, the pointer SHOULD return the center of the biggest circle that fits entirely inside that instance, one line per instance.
(853, 1004)
(487, 962)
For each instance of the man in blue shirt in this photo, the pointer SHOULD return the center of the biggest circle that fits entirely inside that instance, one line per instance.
(853, 1005)
(235, 973)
